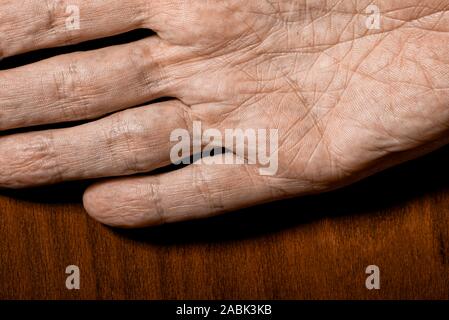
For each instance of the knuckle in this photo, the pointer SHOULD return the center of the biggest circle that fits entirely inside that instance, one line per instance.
(53, 17)
(160, 212)
(69, 92)
(141, 62)
(42, 156)
(203, 183)
(35, 160)
(58, 14)
(123, 143)
(150, 72)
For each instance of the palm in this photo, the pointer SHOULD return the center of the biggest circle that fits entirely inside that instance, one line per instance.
(347, 101)
(338, 92)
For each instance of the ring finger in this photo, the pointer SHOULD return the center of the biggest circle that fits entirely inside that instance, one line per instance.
(127, 142)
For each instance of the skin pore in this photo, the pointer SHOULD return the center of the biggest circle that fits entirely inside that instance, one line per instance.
(347, 101)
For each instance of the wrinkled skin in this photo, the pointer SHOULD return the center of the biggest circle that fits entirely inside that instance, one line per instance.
(347, 101)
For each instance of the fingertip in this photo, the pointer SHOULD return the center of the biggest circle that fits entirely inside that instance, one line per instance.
(96, 204)
(118, 204)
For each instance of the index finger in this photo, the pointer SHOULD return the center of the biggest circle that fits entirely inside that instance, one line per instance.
(27, 25)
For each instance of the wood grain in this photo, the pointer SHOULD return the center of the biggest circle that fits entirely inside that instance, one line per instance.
(310, 248)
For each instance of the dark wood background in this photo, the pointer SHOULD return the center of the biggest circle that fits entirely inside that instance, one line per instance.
(310, 248)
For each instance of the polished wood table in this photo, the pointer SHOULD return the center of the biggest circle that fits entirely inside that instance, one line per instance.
(311, 248)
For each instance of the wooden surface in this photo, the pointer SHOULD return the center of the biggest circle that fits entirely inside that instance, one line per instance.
(315, 247)
(311, 248)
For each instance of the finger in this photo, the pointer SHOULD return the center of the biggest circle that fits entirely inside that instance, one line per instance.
(131, 141)
(196, 191)
(27, 25)
(88, 84)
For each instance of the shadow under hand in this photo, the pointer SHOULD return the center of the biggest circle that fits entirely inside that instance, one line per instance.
(392, 187)
(63, 193)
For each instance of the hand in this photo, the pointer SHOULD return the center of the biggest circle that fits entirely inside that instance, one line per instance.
(347, 100)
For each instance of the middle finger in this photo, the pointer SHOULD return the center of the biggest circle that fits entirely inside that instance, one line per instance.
(86, 85)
